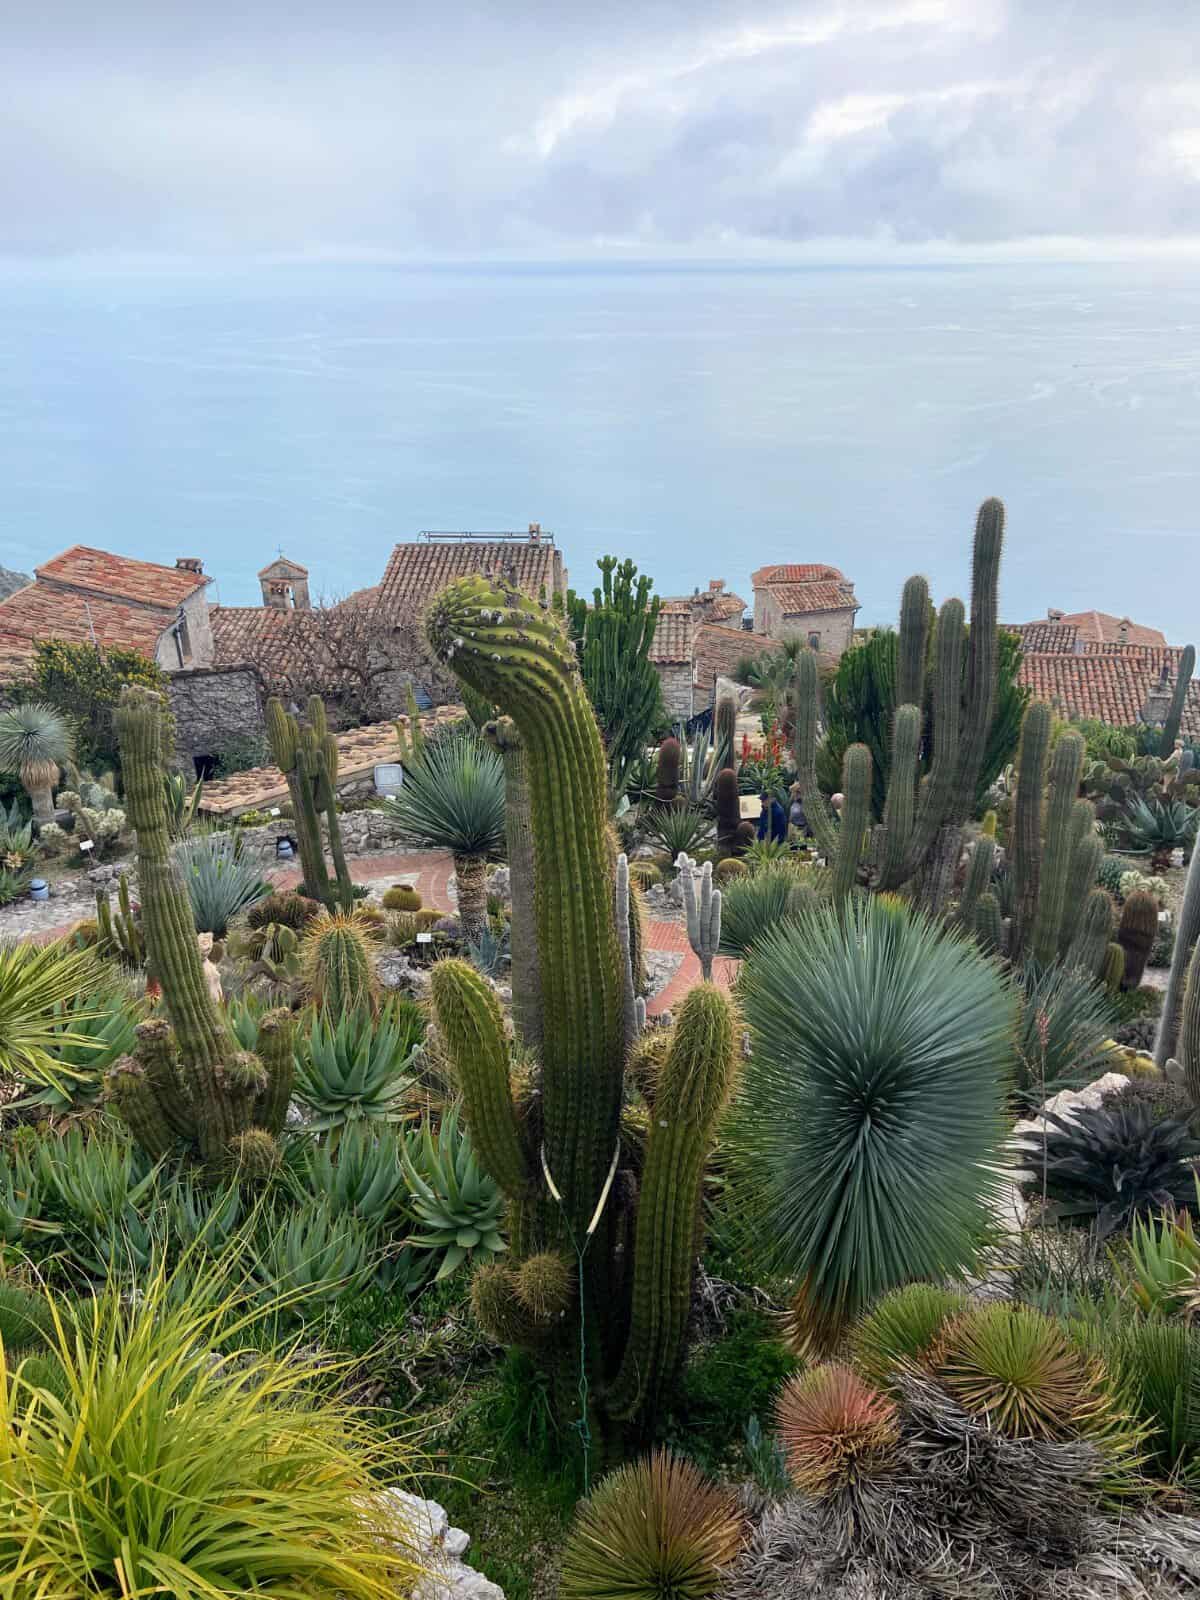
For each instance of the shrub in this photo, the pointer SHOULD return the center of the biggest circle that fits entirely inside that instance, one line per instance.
(36, 980)
(757, 904)
(1063, 1027)
(654, 1530)
(1108, 1164)
(874, 1095)
(835, 1429)
(353, 1067)
(84, 683)
(680, 830)
(242, 752)
(220, 880)
(177, 1459)
(401, 897)
(902, 1327)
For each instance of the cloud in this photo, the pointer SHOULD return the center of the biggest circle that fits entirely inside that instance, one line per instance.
(672, 127)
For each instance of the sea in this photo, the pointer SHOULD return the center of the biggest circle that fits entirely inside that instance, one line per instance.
(702, 419)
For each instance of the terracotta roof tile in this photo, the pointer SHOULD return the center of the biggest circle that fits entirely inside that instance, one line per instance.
(672, 641)
(44, 612)
(419, 571)
(718, 649)
(1057, 638)
(241, 632)
(713, 605)
(796, 572)
(121, 577)
(796, 599)
(1107, 682)
(1099, 627)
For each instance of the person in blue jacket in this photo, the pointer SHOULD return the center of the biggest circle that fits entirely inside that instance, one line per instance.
(772, 819)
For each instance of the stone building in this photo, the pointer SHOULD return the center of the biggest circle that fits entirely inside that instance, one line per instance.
(809, 600)
(1091, 627)
(90, 596)
(682, 622)
(210, 706)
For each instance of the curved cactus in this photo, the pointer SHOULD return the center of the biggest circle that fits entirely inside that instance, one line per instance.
(1187, 665)
(570, 1175)
(307, 756)
(189, 1081)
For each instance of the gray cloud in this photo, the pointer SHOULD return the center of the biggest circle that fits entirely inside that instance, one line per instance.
(375, 126)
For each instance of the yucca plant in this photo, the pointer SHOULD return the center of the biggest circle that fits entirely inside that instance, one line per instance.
(178, 1459)
(458, 1208)
(871, 1104)
(104, 1023)
(353, 1068)
(453, 799)
(34, 743)
(657, 1529)
(679, 830)
(835, 1429)
(901, 1327)
(766, 852)
(1105, 1165)
(35, 980)
(308, 1255)
(1063, 1025)
(220, 880)
(362, 1176)
(759, 903)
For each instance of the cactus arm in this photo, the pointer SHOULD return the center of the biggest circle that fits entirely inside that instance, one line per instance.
(1112, 973)
(276, 1051)
(622, 919)
(518, 829)
(856, 819)
(694, 1084)
(283, 735)
(702, 908)
(979, 877)
(982, 653)
(1187, 665)
(820, 818)
(899, 809)
(1066, 763)
(326, 800)
(1189, 1028)
(1187, 933)
(1086, 854)
(912, 646)
(1026, 848)
(1089, 948)
(504, 646)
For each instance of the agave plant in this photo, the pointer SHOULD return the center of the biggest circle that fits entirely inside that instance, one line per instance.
(16, 843)
(36, 980)
(353, 1068)
(34, 743)
(13, 883)
(220, 880)
(1162, 1270)
(362, 1176)
(657, 1529)
(1107, 1164)
(97, 1030)
(203, 1218)
(91, 1179)
(680, 830)
(871, 1104)
(1160, 827)
(453, 799)
(457, 1206)
(1063, 1028)
(309, 1255)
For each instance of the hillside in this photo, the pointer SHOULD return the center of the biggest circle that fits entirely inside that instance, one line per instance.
(11, 581)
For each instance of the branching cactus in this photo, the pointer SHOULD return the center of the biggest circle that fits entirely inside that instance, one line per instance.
(188, 1081)
(308, 758)
(603, 1227)
(702, 907)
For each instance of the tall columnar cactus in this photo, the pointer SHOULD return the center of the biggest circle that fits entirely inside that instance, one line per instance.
(702, 908)
(1187, 932)
(714, 748)
(572, 1180)
(518, 831)
(1033, 753)
(978, 881)
(670, 761)
(1136, 935)
(1066, 764)
(119, 931)
(307, 756)
(1189, 1028)
(727, 800)
(1088, 949)
(922, 825)
(187, 1081)
(1187, 665)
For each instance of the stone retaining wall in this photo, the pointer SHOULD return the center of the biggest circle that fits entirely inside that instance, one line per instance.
(362, 832)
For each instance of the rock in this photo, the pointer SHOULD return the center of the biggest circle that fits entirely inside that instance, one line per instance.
(439, 1548)
(504, 994)
(102, 874)
(1072, 1100)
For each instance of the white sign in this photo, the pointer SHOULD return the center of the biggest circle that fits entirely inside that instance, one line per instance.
(273, 812)
(424, 938)
(87, 844)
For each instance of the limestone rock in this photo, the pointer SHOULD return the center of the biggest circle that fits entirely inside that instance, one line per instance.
(440, 1548)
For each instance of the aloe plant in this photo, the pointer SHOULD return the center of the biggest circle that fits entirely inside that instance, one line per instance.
(362, 1176)
(310, 1255)
(457, 1206)
(353, 1068)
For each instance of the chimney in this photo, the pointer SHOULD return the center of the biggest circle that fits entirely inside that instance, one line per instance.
(1123, 631)
(535, 532)
(189, 564)
(715, 585)
(1054, 616)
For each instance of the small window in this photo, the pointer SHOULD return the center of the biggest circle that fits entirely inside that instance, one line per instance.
(183, 641)
(814, 640)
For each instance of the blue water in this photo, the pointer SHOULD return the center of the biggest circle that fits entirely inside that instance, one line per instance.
(704, 422)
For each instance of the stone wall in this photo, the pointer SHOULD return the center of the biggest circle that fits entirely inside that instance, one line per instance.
(212, 705)
(362, 832)
(676, 680)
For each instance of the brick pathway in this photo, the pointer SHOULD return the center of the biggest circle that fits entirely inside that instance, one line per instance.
(430, 872)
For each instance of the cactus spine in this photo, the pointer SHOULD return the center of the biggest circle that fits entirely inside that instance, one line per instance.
(1187, 665)
(191, 1080)
(307, 757)
(1187, 932)
(702, 907)
(1136, 935)
(570, 1178)
(1189, 1028)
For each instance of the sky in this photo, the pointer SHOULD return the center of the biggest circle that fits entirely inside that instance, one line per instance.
(680, 128)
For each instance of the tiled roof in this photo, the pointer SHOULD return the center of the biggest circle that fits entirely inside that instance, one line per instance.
(44, 612)
(419, 571)
(1107, 682)
(714, 605)
(1098, 627)
(797, 599)
(240, 633)
(120, 577)
(718, 649)
(673, 631)
(1058, 638)
(796, 572)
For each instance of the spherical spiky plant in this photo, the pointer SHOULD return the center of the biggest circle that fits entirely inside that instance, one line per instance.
(285, 907)
(901, 1327)
(655, 1530)
(545, 1285)
(337, 964)
(835, 1429)
(1020, 1371)
(34, 743)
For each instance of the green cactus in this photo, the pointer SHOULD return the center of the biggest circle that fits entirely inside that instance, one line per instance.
(187, 1082)
(1189, 1028)
(728, 808)
(1033, 753)
(1187, 665)
(989, 927)
(856, 819)
(978, 881)
(1088, 950)
(913, 642)
(307, 757)
(1112, 973)
(1136, 935)
(336, 964)
(556, 1147)
(526, 972)
(1187, 933)
(120, 934)
(670, 760)
(1066, 764)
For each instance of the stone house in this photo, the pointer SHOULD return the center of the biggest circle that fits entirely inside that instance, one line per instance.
(1114, 683)
(681, 620)
(1093, 627)
(90, 596)
(809, 600)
